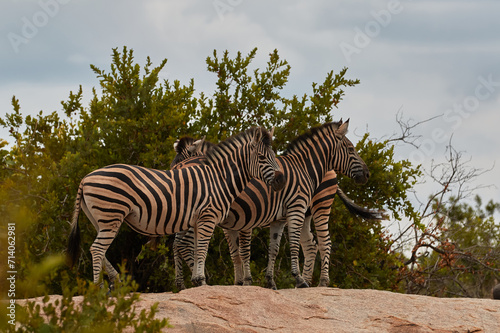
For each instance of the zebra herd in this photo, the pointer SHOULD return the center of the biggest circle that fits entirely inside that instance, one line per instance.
(238, 184)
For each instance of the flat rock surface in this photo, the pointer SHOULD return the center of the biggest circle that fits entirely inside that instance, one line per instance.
(255, 309)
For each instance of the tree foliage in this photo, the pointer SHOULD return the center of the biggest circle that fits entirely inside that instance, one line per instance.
(133, 117)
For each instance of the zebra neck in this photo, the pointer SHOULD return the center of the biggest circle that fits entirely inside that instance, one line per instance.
(229, 176)
(316, 159)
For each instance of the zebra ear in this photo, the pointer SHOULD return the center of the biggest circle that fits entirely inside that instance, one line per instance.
(195, 148)
(176, 143)
(342, 130)
(271, 132)
(257, 136)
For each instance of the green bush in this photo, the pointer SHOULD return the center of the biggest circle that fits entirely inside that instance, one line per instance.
(101, 310)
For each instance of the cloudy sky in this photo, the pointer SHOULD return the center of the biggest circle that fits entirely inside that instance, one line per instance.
(425, 59)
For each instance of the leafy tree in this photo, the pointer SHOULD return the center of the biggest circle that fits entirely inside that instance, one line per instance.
(243, 100)
(134, 118)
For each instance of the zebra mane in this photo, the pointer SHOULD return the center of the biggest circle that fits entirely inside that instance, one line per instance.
(183, 143)
(311, 134)
(220, 150)
(190, 146)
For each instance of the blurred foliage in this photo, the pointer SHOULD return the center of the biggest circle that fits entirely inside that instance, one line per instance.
(98, 311)
(133, 117)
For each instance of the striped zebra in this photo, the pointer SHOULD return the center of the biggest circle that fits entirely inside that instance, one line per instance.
(306, 162)
(157, 202)
(249, 210)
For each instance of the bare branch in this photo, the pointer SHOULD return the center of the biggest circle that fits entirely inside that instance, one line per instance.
(406, 128)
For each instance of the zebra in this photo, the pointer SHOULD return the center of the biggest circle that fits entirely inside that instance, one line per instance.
(249, 205)
(156, 202)
(306, 162)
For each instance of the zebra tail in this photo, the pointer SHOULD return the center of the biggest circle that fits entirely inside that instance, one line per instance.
(369, 214)
(73, 251)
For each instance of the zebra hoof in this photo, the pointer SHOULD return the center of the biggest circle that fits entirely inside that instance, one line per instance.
(247, 281)
(180, 285)
(323, 283)
(271, 285)
(198, 281)
(303, 284)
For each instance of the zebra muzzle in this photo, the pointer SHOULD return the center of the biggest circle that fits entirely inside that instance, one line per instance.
(279, 181)
(362, 176)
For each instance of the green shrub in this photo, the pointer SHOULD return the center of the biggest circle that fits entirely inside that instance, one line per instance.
(101, 310)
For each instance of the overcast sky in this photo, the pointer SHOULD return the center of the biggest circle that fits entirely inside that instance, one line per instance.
(424, 58)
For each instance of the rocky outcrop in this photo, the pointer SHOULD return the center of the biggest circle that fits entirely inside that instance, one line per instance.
(255, 309)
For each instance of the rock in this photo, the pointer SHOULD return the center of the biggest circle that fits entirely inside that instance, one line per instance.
(255, 309)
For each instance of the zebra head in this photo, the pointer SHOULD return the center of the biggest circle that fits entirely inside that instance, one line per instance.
(187, 147)
(264, 165)
(181, 147)
(348, 161)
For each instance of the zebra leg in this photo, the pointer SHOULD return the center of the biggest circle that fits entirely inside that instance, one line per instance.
(186, 248)
(309, 248)
(98, 250)
(179, 275)
(232, 237)
(320, 210)
(325, 246)
(112, 273)
(294, 228)
(245, 239)
(204, 230)
(274, 244)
